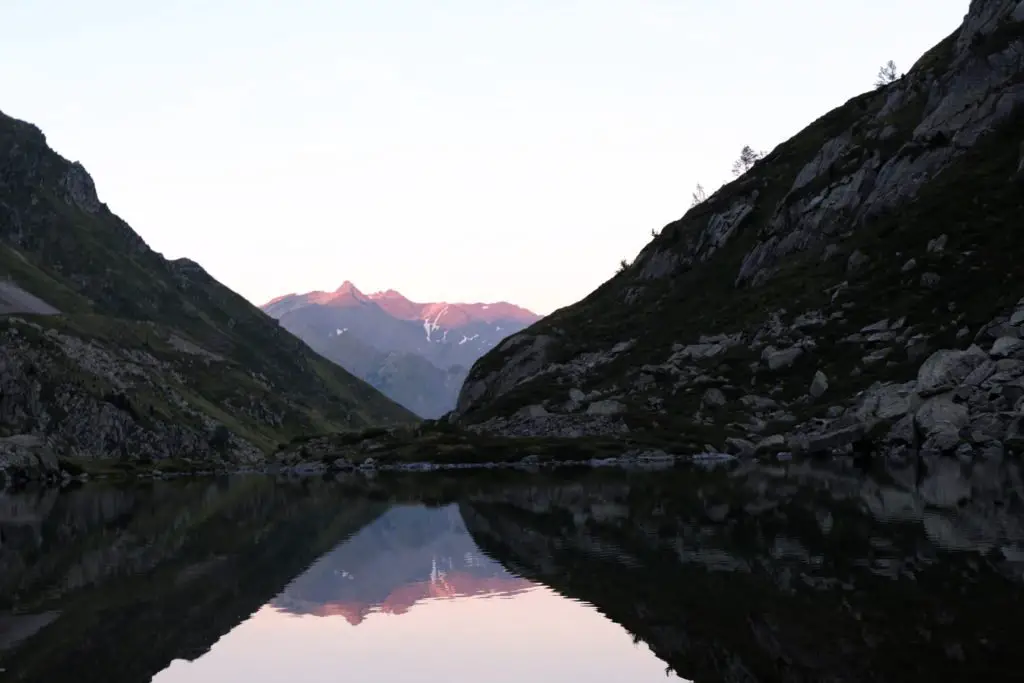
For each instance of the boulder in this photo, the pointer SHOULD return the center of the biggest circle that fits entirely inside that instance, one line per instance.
(835, 439)
(1007, 347)
(771, 444)
(740, 447)
(777, 359)
(940, 420)
(713, 398)
(946, 369)
(607, 407)
(819, 385)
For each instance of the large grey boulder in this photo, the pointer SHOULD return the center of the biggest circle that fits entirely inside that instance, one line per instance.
(778, 359)
(1008, 347)
(947, 368)
(819, 385)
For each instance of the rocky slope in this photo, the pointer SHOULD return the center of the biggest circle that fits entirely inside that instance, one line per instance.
(417, 354)
(861, 283)
(110, 351)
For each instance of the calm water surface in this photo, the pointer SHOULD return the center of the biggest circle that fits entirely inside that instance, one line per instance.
(750, 574)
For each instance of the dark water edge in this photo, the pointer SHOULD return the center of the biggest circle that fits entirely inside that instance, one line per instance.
(751, 573)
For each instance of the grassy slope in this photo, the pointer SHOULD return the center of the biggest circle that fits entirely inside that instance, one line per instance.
(112, 287)
(973, 201)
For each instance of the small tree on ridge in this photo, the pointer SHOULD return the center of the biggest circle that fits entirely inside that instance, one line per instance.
(699, 195)
(748, 157)
(887, 74)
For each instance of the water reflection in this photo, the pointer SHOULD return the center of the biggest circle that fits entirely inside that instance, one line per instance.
(409, 554)
(752, 574)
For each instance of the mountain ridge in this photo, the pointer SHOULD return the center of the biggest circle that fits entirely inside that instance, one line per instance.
(138, 358)
(415, 353)
(868, 255)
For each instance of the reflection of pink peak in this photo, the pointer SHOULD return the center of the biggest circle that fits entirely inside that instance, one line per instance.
(404, 597)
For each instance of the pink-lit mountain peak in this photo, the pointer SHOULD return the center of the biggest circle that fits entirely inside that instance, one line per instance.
(446, 314)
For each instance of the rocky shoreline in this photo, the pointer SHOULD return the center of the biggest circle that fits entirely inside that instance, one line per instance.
(965, 407)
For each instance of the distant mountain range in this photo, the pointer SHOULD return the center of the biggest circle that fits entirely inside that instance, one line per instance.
(407, 555)
(417, 354)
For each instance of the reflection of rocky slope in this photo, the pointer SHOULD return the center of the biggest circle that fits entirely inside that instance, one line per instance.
(780, 575)
(139, 577)
(408, 554)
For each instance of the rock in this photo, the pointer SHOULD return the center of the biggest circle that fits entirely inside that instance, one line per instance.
(577, 396)
(909, 266)
(759, 403)
(29, 455)
(894, 401)
(1017, 318)
(835, 439)
(945, 369)
(903, 431)
(1007, 347)
(938, 245)
(880, 326)
(780, 359)
(876, 356)
(987, 428)
(819, 385)
(368, 464)
(940, 414)
(856, 261)
(979, 374)
(930, 280)
(740, 447)
(713, 398)
(771, 444)
(341, 464)
(606, 407)
(534, 411)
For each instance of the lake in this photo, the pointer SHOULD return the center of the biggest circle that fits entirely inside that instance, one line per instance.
(744, 573)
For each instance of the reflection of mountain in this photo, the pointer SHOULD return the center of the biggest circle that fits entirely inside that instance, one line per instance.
(126, 580)
(805, 575)
(410, 553)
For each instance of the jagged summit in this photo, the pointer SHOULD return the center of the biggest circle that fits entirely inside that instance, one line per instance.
(416, 353)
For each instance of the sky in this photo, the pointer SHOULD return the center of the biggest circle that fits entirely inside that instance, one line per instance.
(454, 150)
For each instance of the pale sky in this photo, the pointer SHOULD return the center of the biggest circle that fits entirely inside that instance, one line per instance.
(454, 150)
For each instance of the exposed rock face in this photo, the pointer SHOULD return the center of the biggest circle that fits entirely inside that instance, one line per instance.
(850, 250)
